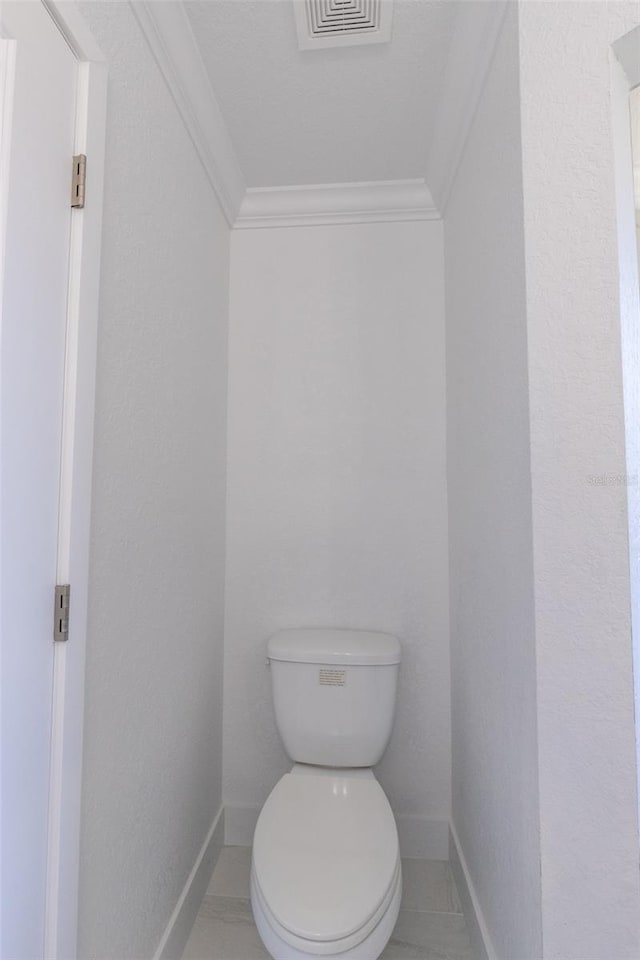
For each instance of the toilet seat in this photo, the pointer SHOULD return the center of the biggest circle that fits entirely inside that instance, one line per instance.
(326, 864)
(358, 946)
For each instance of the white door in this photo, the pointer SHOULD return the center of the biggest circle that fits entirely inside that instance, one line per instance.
(40, 78)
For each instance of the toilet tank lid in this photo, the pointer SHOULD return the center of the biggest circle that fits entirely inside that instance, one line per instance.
(323, 645)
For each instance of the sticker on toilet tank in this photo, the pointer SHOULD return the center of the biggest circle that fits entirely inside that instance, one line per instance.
(332, 678)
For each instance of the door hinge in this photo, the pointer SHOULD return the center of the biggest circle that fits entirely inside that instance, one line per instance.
(78, 180)
(61, 612)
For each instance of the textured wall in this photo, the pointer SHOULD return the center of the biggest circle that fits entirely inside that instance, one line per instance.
(588, 805)
(495, 797)
(153, 735)
(337, 500)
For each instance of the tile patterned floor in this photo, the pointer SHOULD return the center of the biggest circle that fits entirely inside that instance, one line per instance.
(430, 925)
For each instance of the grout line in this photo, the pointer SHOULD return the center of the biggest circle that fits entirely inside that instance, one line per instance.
(433, 913)
(442, 913)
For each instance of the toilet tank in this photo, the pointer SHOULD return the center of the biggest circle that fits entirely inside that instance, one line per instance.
(334, 694)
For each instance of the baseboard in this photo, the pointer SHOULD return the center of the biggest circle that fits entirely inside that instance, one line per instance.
(174, 939)
(481, 945)
(420, 837)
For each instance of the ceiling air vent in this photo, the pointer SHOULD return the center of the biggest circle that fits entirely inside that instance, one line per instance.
(342, 23)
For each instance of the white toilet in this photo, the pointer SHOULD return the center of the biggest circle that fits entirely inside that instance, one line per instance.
(325, 872)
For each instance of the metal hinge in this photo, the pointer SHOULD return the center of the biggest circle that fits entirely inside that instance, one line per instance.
(61, 612)
(78, 180)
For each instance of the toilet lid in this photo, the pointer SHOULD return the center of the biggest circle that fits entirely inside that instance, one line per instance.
(325, 853)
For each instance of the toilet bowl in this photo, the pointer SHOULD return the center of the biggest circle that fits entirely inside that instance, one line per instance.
(326, 878)
(325, 873)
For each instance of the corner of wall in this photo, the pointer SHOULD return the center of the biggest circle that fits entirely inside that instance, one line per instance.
(481, 945)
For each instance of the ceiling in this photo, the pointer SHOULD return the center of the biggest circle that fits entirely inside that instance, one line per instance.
(353, 114)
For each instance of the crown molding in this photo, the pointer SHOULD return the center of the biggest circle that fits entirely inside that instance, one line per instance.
(334, 203)
(168, 33)
(472, 48)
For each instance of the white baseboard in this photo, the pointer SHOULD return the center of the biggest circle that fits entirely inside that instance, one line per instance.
(420, 837)
(174, 939)
(481, 945)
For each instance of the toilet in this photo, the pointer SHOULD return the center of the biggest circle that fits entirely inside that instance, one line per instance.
(326, 879)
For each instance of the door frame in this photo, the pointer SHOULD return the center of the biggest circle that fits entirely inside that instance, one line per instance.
(65, 784)
(625, 77)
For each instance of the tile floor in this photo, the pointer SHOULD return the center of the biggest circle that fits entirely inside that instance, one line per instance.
(430, 925)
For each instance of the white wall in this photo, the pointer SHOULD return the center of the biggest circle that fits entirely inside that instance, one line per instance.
(153, 732)
(540, 596)
(495, 796)
(588, 805)
(337, 500)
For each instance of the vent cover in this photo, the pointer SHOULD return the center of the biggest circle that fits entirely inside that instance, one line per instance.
(342, 23)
